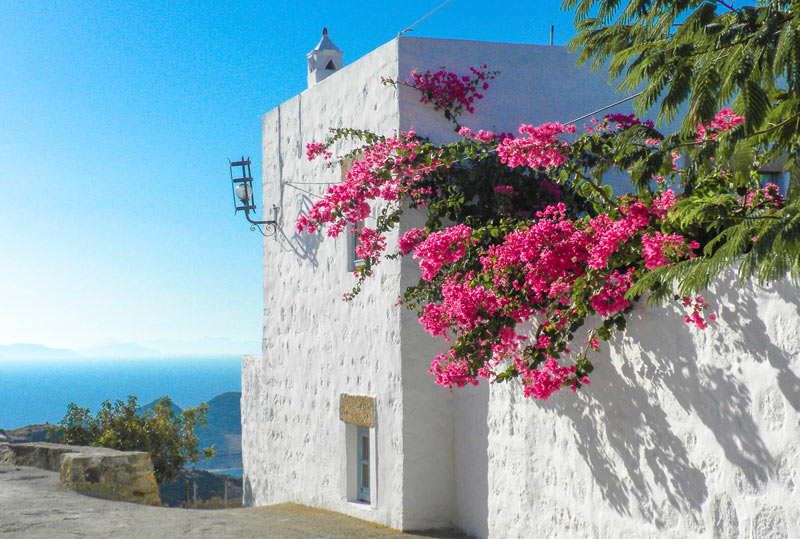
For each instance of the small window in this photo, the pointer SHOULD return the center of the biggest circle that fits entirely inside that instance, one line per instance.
(362, 464)
(357, 261)
(330, 66)
(353, 260)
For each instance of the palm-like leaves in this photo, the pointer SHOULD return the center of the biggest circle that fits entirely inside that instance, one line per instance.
(707, 55)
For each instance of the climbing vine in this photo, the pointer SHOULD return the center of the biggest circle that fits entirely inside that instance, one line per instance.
(525, 240)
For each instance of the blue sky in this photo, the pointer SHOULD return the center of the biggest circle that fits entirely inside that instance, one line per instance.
(116, 122)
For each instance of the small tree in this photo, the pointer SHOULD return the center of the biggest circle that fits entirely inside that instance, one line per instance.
(170, 439)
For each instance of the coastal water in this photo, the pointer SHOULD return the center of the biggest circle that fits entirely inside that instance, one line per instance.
(38, 391)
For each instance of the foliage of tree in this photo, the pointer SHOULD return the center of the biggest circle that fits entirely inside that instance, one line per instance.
(708, 54)
(170, 439)
(525, 240)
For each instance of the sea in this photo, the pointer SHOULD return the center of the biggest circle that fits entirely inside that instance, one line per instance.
(38, 391)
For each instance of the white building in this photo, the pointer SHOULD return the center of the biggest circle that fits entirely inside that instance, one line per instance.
(681, 434)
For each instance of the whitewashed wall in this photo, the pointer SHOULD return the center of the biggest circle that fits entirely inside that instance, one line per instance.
(536, 84)
(683, 433)
(315, 345)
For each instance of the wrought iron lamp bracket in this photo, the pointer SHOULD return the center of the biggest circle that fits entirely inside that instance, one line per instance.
(271, 226)
(243, 200)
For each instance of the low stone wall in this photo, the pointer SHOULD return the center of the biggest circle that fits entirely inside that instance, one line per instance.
(37, 454)
(95, 471)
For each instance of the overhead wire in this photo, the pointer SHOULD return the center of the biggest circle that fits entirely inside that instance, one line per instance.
(440, 6)
(227, 454)
(410, 28)
(310, 183)
(294, 186)
(605, 108)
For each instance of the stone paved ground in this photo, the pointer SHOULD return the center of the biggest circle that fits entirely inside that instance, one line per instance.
(33, 504)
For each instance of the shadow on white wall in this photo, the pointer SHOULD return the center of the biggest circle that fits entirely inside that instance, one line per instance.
(643, 427)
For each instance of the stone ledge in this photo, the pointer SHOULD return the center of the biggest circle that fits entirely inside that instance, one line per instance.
(95, 471)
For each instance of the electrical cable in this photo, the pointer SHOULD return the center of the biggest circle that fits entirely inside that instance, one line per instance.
(423, 18)
(605, 108)
(303, 190)
(310, 183)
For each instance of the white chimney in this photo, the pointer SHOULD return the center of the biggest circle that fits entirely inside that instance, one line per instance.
(325, 59)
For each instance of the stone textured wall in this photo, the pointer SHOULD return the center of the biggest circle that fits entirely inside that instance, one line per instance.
(317, 346)
(115, 475)
(682, 433)
(97, 471)
(38, 455)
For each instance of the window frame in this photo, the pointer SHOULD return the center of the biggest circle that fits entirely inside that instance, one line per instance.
(351, 476)
(355, 261)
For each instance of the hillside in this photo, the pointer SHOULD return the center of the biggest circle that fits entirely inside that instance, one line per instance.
(224, 431)
(176, 410)
(31, 433)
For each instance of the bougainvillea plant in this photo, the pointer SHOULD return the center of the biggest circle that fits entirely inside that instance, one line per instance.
(447, 91)
(525, 240)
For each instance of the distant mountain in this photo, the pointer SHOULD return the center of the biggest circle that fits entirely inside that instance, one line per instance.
(176, 410)
(31, 433)
(223, 431)
(207, 347)
(25, 351)
(119, 350)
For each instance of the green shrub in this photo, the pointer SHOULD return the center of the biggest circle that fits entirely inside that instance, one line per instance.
(169, 438)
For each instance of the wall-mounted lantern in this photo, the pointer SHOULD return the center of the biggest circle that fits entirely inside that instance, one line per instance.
(242, 187)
